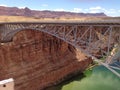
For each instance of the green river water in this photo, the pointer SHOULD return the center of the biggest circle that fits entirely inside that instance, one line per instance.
(97, 78)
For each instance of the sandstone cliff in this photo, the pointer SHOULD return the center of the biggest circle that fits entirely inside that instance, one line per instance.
(37, 60)
(14, 11)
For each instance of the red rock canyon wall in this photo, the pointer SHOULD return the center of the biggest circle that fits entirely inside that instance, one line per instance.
(36, 60)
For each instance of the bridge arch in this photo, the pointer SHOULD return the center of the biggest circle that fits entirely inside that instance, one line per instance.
(9, 37)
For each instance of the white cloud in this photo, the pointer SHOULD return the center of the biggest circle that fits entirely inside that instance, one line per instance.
(86, 10)
(44, 5)
(3, 5)
(60, 9)
(118, 10)
(96, 9)
(77, 10)
(110, 11)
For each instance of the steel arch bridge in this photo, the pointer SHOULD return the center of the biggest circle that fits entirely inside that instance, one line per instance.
(97, 39)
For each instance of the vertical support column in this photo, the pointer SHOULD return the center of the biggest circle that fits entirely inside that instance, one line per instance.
(64, 32)
(75, 34)
(109, 40)
(90, 38)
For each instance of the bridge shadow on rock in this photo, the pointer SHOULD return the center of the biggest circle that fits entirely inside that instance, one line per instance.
(37, 60)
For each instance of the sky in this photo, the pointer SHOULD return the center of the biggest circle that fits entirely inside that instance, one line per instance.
(109, 7)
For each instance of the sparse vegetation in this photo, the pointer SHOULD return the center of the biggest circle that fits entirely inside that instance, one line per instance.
(34, 19)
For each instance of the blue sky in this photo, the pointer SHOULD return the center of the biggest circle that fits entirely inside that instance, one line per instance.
(109, 7)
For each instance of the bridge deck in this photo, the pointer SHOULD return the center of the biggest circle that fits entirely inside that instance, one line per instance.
(101, 22)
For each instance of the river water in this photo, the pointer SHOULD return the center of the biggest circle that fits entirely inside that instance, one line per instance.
(97, 78)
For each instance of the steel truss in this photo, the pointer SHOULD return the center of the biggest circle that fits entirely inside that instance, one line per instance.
(100, 41)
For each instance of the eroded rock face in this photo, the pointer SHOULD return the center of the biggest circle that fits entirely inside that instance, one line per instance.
(36, 60)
